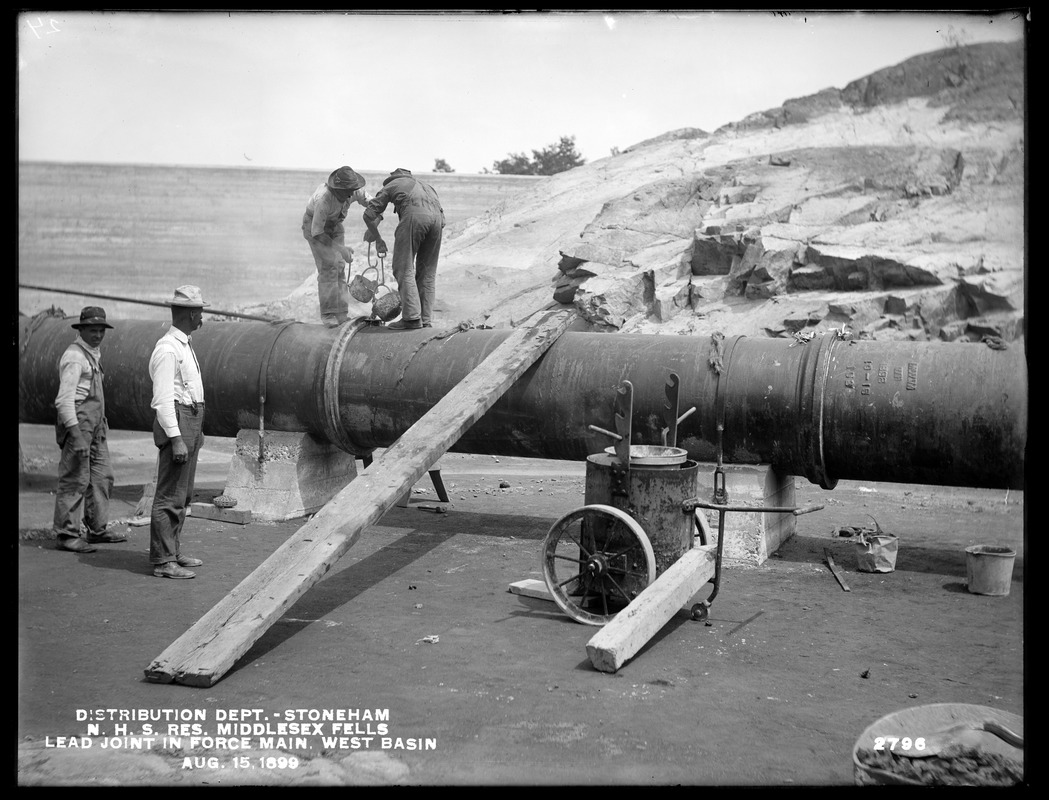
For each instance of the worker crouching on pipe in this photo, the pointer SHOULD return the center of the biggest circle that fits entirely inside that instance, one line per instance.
(416, 243)
(322, 228)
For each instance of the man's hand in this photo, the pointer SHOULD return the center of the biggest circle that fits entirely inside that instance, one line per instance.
(380, 247)
(346, 252)
(80, 444)
(370, 235)
(179, 451)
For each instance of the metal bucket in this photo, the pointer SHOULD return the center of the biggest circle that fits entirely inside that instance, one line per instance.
(386, 306)
(656, 494)
(989, 569)
(363, 288)
(644, 455)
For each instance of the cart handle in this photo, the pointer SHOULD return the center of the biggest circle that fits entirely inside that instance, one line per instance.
(691, 505)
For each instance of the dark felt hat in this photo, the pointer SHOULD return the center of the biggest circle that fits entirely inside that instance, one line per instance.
(92, 315)
(400, 172)
(346, 179)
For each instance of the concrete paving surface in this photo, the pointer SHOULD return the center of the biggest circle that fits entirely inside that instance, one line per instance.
(419, 667)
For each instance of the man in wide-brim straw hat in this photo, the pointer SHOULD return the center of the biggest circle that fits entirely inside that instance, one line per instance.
(178, 399)
(85, 474)
(322, 227)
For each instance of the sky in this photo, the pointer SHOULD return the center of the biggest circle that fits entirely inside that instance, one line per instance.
(377, 91)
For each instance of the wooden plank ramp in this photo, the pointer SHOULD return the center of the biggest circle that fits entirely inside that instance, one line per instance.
(210, 647)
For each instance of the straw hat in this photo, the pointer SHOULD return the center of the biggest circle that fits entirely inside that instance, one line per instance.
(188, 296)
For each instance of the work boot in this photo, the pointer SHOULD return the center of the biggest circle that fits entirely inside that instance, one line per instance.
(330, 322)
(187, 561)
(405, 324)
(171, 569)
(109, 537)
(74, 544)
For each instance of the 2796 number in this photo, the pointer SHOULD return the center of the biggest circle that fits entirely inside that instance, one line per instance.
(904, 743)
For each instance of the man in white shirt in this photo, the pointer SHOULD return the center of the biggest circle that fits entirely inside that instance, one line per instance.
(85, 474)
(322, 228)
(178, 398)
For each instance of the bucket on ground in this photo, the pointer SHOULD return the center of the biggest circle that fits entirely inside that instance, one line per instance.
(989, 569)
(876, 552)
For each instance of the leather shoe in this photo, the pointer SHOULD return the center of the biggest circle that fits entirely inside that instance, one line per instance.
(109, 537)
(171, 569)
(187, 561)
(405, 324)
(74, 544)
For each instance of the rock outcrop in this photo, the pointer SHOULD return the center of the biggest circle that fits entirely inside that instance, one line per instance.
(894, 207)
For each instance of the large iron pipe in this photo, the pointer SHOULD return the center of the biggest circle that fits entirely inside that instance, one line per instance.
(829, 409)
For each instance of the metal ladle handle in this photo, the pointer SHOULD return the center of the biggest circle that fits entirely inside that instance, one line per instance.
(596, 429)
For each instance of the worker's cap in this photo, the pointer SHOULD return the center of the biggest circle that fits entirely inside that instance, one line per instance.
(400, 172)
(346, 179)
(92, 315)
(188, 296)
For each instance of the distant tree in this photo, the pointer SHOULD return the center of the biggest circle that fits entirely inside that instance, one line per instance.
(440, 165)
(548, 161)
(614, 151)
(514, 164)
(558, 157)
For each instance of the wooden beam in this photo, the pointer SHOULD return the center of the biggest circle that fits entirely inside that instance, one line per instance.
(530, 587)
(538, 590)
(205, 652)
(836, 570)
(238, 516)
(630, 630)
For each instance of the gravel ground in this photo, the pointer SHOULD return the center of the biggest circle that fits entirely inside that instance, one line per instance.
(416, 623)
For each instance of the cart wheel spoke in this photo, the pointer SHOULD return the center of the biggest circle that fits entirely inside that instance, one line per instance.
(583, 548)
(620, 589)
(615, 564)
(560, 557)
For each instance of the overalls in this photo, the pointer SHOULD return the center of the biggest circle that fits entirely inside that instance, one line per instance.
(84, 484)
(416, 248)
(332, 291)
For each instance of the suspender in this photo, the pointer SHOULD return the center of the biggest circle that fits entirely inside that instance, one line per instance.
(96, 366)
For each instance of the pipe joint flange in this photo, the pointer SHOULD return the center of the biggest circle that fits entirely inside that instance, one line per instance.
(333, 427)
(817, 381)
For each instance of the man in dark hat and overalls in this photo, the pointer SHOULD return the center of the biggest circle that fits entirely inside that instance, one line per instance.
(85, 474)
(178, 398)
(416, 243)
(322, 227)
